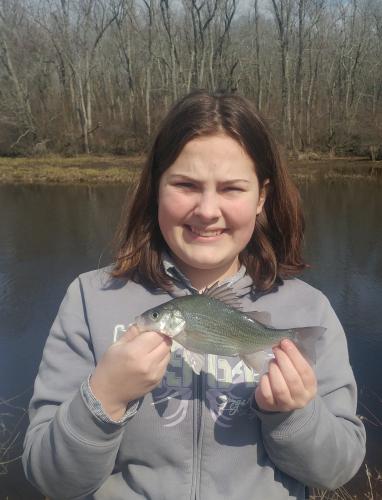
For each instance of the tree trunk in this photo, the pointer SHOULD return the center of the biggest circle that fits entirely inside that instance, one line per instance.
(258, 74)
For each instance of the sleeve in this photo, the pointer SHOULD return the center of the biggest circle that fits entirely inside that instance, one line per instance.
(64, 436)
(322, 444)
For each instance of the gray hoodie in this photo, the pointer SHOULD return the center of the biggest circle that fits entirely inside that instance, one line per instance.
(193, 437)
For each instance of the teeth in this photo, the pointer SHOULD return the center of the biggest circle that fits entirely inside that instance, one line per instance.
(205, 233)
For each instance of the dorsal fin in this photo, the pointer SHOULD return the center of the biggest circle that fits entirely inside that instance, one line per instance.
(227, 295)
(224, 293)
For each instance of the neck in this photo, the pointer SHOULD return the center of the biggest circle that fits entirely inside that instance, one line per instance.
(202, 278)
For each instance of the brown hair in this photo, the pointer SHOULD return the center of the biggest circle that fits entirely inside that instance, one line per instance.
(274, 250)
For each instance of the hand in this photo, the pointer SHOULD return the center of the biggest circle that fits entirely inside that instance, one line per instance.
(129, 369)
(290, 382)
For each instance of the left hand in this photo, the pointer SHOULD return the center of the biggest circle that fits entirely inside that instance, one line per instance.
(290, 382)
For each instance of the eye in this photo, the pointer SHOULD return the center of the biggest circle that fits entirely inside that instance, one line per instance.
(233, 188)
(155, 315)
(184, 185)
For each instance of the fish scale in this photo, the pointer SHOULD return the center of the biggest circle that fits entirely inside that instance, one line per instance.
(207, 325)
(219, 327)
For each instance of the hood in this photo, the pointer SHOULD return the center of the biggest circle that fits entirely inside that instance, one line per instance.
(241, 283)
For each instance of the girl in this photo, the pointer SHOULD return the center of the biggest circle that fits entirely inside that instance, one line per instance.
(115, 414)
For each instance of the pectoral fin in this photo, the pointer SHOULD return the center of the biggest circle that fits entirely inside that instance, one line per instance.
(175, 346)
(195, 360)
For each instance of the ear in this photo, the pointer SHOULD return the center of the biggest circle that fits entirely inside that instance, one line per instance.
(262, 196)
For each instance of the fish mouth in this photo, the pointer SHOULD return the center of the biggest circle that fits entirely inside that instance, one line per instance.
(205, 233)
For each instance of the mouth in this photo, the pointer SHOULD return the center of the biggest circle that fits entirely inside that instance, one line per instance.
(205, 233)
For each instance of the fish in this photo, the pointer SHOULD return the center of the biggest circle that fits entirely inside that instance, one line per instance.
(212, 322)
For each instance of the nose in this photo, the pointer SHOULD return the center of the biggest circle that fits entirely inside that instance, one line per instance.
(207, 207)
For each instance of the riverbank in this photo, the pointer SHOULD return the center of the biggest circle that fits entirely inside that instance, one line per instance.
(110, 169)
(84, 169)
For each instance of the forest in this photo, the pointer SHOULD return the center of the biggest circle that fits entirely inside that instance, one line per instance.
(97, 76)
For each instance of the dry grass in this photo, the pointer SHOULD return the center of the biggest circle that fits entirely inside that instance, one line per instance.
(74, 170)
(371, 492)
(81, 161)
(11, 418)
(336, 169)
(367, 484)
(92, 169)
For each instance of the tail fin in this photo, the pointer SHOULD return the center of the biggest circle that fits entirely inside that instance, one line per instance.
(306, 339)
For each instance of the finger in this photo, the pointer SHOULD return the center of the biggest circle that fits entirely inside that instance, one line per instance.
(291, 376)
(131, 333)
(149, 341)
(162, 365)
(162, 350)
(263, 394)
(301, 365)
(279, 387)
(159, 371)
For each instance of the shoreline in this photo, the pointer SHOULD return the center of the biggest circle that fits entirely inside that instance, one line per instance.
(109, 169)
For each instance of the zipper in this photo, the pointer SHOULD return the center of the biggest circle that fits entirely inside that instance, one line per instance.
(199, 392)
(199, 384)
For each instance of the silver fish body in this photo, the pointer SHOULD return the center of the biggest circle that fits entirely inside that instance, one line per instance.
(205, 325)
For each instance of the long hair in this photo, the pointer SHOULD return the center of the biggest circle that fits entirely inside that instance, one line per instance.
(274, 250)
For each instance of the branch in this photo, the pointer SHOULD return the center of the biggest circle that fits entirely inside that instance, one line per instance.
(21, 137)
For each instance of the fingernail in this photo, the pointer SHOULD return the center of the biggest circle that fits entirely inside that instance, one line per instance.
(286, 344)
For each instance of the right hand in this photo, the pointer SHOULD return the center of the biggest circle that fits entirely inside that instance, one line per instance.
(129, 369)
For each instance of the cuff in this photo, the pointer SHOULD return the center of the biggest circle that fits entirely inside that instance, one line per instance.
(96, 409)
(284, 425)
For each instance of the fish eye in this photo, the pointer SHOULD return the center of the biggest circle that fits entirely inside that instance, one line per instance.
(155, 315)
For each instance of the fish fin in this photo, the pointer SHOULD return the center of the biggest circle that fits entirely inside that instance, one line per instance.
(306, 339)
(224, 293)
(175, 346)
(262, 317)
(258, 361)
(194, 359)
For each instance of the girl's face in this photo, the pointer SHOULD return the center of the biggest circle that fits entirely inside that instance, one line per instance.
(208, 202)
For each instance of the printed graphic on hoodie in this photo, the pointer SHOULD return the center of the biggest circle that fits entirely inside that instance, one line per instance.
(229, 388)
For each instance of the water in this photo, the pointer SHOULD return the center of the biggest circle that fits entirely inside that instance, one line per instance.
(49, 234)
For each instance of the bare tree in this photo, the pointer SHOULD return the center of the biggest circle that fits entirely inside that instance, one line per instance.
(98, 75)
(168, 24)
(91, 20)
(18, 96)
(282, 10)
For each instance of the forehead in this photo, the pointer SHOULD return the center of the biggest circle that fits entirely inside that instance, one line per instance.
(214, 155)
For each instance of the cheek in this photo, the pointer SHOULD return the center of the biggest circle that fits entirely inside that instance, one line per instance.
(243, 217)
(171, 209)
(171, 203)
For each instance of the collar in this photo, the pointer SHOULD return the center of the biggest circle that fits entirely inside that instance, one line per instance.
(240, 282)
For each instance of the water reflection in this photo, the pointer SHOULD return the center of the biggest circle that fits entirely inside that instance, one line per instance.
(344, 246)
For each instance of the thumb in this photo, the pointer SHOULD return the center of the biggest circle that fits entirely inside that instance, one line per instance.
(130, 334)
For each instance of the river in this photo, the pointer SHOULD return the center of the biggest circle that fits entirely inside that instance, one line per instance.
(50, 234)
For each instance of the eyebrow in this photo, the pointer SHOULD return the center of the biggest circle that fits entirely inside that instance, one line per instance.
(185, 176)
(235, 180)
